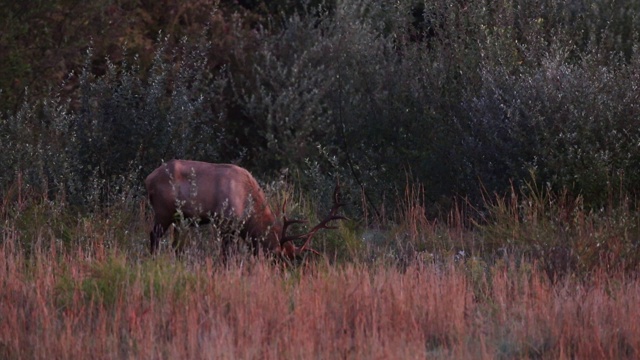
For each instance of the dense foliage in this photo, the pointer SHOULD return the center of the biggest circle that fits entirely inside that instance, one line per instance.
(460, 96)
(488, 151)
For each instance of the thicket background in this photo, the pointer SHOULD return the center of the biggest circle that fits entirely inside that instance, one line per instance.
(463, 98)
(488, 151)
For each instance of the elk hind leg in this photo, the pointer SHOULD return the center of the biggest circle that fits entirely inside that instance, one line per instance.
(154, 237)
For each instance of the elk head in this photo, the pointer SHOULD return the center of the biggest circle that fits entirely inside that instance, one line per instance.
(200, 191)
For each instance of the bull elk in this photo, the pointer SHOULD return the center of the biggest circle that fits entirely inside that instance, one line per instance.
(201, 191)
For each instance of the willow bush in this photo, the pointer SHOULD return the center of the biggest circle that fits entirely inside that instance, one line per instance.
(458, 96)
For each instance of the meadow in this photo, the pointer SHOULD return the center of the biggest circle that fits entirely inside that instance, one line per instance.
(87, 287)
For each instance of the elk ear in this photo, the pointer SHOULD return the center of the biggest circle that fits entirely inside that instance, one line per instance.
(289, 250)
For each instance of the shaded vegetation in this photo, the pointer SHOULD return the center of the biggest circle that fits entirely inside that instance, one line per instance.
(489, 152)
(459, 96)
(472, 131)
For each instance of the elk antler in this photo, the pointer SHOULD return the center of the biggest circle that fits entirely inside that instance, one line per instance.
(322, 225)
(286, 223)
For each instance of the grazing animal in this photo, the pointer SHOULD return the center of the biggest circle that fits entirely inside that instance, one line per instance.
(200, 191)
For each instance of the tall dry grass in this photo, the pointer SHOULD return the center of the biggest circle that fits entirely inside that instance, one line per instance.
(60, 303)
(84, 287)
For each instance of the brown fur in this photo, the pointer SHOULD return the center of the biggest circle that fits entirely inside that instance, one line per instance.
(204, 189)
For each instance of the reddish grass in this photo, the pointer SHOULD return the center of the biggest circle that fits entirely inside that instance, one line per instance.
(58, 304)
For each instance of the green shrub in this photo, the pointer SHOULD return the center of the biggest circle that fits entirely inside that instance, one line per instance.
(118, 128)
(453, 94)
